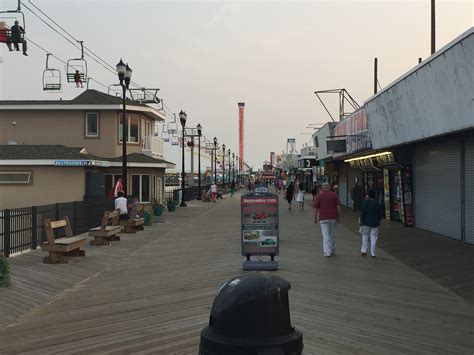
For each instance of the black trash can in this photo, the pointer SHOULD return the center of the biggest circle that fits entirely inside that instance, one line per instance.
(251, 316)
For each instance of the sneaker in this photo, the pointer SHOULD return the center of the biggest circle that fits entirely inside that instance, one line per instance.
(363, 254)
(373, 256)
(24, 53)
(327, 255)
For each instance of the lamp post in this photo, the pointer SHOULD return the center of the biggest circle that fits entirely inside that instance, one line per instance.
(237, 161)
(228, 156)
(125, 74)
(223, 167)
(182, 118)
(199, 128)
(233, 167)
(215, 160)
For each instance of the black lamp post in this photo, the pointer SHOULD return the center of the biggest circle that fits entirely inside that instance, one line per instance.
(215, 160)
(233, 167)
(228, 155)
(125, 74)
(223, 166)
(182, 118)
(199, 128)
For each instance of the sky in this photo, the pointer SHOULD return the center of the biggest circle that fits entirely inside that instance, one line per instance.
(207, 56)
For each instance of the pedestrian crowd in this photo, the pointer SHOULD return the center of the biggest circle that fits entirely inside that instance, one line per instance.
(328, 212)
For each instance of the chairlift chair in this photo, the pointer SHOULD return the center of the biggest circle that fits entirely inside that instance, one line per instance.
(164, 134)
(79, 64)
(174, 140)
(6, 35)
(51, 78)
(173, 126)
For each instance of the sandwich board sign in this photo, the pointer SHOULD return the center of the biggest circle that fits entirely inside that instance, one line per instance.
(260, 230)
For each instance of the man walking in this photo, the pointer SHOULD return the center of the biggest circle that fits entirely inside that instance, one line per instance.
(328, 213)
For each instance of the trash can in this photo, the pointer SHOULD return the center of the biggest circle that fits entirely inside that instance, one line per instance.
(251, 315)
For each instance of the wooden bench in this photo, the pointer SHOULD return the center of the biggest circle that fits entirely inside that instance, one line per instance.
(60, 247)
(132, 225)
(108, 229)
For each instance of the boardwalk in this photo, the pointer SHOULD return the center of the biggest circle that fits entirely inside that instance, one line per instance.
(152, 292)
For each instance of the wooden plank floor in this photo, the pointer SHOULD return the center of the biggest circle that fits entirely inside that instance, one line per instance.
(154, 296)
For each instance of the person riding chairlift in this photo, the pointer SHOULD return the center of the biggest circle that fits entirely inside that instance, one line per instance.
(77, 79)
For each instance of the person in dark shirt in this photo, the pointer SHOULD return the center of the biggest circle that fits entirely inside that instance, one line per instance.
(16, 32)
(370, 217)
(290, 190)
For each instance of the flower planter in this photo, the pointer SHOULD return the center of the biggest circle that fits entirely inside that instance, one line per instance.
(157, 210)
(171, 206)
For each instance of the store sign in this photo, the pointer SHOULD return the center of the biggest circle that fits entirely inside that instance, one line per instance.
(260, 224)
(73, 163)
(291, 140)
(336, 146)
(306, 163)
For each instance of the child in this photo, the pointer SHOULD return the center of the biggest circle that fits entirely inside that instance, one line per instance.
(77, 79)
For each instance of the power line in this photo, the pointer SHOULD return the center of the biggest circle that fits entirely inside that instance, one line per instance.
(88, 51)
(61, 60)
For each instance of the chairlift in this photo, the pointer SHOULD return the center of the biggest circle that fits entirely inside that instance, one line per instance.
(173, 126)
(77, 64)
(51, 78)
(164, 134)
(144, 95)
(6, 35)
(174, 140)
(109, 89)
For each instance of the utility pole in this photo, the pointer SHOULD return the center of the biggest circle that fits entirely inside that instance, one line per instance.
(375, 76)
(433, 26)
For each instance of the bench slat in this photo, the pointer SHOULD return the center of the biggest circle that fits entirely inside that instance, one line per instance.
(60, 223)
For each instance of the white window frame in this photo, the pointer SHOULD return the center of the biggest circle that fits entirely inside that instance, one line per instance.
(140, 186)
(129, 121)
(16, 182)
(87, 125)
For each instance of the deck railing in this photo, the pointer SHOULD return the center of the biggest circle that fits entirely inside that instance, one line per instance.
(22, 229)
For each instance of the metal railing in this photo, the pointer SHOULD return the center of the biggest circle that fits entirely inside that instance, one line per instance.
(22, 228)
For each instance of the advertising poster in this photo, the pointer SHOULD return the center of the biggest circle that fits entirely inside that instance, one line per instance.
(260, 224)
(407, 194)
(386, 193)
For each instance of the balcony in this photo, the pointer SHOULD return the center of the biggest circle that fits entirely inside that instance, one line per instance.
(153, 146)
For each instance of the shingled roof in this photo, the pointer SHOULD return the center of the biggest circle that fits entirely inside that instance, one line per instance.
(41, 152)
(88, 97)
(61, 152)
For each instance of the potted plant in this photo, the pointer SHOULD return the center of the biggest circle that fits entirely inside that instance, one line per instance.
(157, 208)
(171, 204)
(147, 218)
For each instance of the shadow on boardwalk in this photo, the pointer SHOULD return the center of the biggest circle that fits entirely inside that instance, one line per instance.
(152, 293)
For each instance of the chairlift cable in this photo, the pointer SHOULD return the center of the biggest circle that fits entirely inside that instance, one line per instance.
(91, 54)
(60, 60)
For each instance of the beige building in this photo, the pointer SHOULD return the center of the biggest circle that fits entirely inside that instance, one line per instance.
(60, 151)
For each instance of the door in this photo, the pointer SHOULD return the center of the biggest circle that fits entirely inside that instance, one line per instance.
(438, 188)
(343, 184)
(469, 190)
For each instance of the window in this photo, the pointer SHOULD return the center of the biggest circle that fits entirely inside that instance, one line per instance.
(132, 129)
(92, 124)
(15, 178)
(140, 187)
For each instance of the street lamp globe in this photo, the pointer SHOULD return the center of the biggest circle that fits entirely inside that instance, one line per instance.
(128, 72)
(215, 141)
(121, 68)
(199, 128)
(182, 118)
(223, 147)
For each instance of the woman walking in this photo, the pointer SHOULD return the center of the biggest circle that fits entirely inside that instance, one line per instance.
(300, 196)
(370, 221)
(289, 194)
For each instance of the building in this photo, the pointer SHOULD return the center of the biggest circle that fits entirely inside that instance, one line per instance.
(413, 143)
(306, 163)
(59, 151)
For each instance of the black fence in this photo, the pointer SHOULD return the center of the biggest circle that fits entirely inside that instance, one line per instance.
(22, 228)
(190, 193)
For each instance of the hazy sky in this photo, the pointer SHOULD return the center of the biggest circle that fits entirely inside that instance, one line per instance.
(207, 56)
